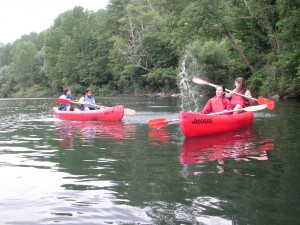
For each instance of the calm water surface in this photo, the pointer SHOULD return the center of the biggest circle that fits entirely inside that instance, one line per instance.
(63, 172)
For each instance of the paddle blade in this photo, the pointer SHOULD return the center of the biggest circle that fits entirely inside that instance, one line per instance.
(197, 80)
(270, 104)
(63, 101)
(254, 108)
(130, 112)
(158, 123)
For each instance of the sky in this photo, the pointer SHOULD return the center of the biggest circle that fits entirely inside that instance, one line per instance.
(19, 17)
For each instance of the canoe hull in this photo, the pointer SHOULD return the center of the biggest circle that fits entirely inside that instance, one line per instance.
(114, 113)
(195, 124)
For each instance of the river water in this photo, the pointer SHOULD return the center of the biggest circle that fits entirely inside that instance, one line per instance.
(64, 172)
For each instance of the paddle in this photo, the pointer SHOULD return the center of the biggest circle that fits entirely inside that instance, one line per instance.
(270, 104)
(162, 122)
(127, 111)
(247, 109)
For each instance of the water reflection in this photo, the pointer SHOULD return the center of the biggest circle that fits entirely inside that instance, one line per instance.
(241, 145)
(88, 131)
(159, 137)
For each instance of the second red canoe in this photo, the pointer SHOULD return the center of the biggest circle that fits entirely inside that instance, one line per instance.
(195, 124)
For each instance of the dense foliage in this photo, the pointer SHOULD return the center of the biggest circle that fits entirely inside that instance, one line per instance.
(137, 46)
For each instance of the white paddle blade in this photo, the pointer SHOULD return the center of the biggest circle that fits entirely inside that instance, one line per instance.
(130, 112)
(255, 108)
(197, 80)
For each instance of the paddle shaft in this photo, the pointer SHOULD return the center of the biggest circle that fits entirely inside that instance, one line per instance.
(161, 121)
(270, 104)
(67, 101)
(247, 109)
(214, 85)
(172, 120)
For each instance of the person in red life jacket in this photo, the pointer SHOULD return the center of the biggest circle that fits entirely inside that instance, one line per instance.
(238, 102)
(219, 103)
(88, 101)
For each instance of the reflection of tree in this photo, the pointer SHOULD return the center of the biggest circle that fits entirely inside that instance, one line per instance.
(101, 137)
(147, 177)
(207, 197)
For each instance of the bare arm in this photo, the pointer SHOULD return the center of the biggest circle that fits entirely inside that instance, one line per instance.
(229, 94)
(249, 95)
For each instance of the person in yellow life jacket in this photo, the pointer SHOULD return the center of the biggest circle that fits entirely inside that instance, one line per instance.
(219, 103)
(88, 102)
(238, 102)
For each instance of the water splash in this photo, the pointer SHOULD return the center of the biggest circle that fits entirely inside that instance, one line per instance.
(189, 94)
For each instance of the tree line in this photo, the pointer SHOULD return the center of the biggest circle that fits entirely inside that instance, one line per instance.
(137, 47)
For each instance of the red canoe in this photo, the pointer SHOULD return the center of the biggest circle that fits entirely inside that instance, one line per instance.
(114, 113)
(195, 124)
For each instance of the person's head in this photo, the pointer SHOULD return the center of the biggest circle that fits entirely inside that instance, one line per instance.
(240, 83)
(220, 91)
(89, 92)
(67, 91)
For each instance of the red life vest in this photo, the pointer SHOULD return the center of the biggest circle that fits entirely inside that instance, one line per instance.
(237, 99)
(217, 105)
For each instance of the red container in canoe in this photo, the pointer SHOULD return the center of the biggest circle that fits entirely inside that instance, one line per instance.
(114, 113)
(195, 124)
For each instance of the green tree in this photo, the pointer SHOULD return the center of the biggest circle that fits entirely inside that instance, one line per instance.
(137, 45)
(289, 54)
(23, 63)
(67, 47)
(5, 55)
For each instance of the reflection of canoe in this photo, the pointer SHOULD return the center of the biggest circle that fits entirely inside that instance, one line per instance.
(88, 131)
(99, 129)
(114, 113)
(238, 145)
(235, 144)
(195, 124)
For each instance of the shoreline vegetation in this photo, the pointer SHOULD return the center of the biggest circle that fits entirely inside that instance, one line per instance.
(153, 95)
(146, 47)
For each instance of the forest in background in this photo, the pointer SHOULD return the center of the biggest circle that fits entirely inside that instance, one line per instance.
(138, 46)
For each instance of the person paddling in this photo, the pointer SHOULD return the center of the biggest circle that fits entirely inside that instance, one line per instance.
(66, 95)
(219, 103)
(238, 102)
(88, 102)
